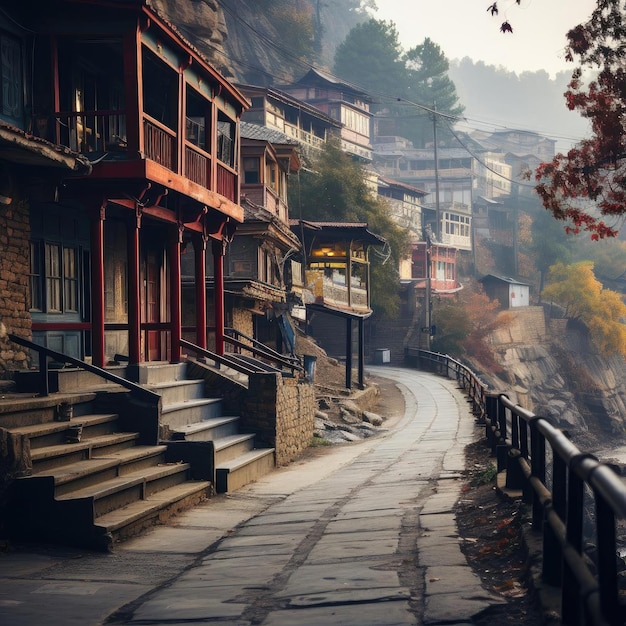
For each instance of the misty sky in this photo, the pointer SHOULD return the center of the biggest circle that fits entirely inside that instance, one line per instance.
(465, 28)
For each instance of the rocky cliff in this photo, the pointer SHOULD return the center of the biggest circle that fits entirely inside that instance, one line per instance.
(246, 42)
(551, 368)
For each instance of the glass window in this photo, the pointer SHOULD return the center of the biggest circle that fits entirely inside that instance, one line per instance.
(53, 277)
(70, 280)
(36, 303)
(226, 140)
(11, 67)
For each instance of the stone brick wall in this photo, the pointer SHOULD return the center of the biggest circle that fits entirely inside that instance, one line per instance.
(14, 295)
(242, 321)
(281, 413)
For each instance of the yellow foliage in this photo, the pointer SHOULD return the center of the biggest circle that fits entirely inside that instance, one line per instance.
(576, 288)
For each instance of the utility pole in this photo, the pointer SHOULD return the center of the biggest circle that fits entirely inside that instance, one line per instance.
(427, 305)
(436, 155)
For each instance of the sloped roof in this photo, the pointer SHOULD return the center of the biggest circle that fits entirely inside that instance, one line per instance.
(23, 148)
(263, 133)
(504, 279)
(316, 76)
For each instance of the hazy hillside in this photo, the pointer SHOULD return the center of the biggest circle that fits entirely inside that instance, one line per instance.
(529, 101)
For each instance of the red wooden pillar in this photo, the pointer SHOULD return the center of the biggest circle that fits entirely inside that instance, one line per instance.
(97, 287)
(134, 290)
(200, 275)
(175, 295)
(218, 293)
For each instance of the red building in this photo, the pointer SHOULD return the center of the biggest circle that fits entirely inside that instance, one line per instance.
(160, 128)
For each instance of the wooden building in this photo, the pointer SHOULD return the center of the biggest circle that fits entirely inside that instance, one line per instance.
(336, 290)
(160, 129)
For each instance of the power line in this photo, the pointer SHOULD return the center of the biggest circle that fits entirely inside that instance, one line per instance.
(479, 160)
(382, 96)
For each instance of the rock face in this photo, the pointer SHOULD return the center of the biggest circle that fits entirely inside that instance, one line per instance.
(201, 23)
(551, 368)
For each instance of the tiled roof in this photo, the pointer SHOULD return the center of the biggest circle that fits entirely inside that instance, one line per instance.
(262, 133)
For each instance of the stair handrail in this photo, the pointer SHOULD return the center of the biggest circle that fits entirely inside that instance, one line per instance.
(260, 349)
(219, 359)
(44, 353)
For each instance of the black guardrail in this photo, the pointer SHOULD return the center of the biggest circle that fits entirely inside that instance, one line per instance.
(575, 499)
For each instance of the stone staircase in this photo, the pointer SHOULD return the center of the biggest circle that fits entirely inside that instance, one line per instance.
(189, 416)
(93, 466)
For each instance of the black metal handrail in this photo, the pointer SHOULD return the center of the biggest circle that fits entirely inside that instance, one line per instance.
(234, 337)
(45, 353)
(552, 474)
(219, 360)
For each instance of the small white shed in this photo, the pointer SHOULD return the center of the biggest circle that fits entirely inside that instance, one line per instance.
(510, 292)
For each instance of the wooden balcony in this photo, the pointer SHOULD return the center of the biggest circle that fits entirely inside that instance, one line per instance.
(333, 293)
(84, 132)
(99, 132)
(159, 143)
(267, 198)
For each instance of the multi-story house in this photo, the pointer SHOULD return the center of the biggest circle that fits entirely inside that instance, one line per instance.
(447, 180)
(296, 119)
(159, 127)
(342, 102)
(119, 152)
(405, 209)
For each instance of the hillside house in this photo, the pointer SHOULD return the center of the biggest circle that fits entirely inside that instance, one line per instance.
(342, 102)
(336, 290)
(159, 127)
(294, 118)
(119, 155)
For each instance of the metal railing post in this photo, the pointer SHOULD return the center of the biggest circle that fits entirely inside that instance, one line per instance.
(44, 385)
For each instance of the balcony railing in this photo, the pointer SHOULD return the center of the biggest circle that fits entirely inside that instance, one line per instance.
(226, 182)
(84, 132)
(197, 165)
(330, 292)
(159, 143)
(267, 198)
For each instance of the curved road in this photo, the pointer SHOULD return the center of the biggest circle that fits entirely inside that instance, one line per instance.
(363, 534)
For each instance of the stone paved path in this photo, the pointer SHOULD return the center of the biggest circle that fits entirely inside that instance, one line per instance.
(365, 535)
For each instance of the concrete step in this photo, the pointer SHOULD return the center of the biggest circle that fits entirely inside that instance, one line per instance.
(182, 413)
(244, 469)
(156, 373)
(49, 457)
(88, 472)
(131, 519)
(177, 391)
(206, 430)
(230, 447)
(118, 492)
(51, 433)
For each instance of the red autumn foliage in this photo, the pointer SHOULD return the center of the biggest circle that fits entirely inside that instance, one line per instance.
(586, 188)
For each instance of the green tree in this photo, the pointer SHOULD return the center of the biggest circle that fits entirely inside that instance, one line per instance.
(372, 58)
(429, 83)
(549, 244)
(335, 189)
(581, 294)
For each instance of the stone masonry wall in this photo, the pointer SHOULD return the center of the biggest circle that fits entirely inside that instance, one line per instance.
(281, 413)
(242, 321)
(14, 272)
